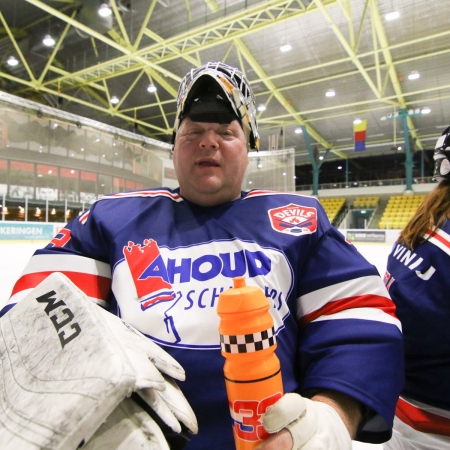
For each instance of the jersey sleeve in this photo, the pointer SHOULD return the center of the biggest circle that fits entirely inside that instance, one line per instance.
(419, 285)
(80, 252)
(351, 340)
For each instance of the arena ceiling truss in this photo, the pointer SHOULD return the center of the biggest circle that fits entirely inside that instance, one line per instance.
(101, 67)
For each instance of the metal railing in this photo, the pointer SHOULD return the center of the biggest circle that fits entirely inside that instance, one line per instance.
(369, 183)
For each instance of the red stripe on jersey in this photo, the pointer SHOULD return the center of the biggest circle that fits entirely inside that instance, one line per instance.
(84, 217)
(421, 420)
(92, 285)
(360, 301)
(435, 234)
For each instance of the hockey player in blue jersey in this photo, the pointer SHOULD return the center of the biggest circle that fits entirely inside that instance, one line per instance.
(159, 259)
(418, 282)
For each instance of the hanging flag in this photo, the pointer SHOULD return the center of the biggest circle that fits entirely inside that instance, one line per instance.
(359, 135)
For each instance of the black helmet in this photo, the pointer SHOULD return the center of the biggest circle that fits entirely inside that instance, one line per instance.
(442, 157)
(227, 87)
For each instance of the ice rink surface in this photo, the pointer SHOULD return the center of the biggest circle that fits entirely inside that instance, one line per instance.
(14, 256)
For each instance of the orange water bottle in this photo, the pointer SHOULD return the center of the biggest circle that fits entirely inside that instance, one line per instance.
(252, 370)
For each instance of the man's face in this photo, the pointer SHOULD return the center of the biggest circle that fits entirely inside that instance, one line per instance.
(210, 160)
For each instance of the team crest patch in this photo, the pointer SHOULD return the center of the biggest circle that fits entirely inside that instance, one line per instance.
(149, 273)
(293, 219)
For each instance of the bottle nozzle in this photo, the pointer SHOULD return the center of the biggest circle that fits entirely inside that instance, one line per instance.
(239, 282)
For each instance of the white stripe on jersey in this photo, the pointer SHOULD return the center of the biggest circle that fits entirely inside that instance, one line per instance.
(67, 263)
(158, 193)
(315, 300)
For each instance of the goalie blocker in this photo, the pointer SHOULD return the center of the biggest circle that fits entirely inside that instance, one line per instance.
(68, 366)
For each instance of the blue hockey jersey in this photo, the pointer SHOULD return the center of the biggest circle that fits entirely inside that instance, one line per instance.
(161, 262)
(419, 284)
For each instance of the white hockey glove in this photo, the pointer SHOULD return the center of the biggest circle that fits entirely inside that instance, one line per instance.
(66, 365)
(313, 425)
(128, 427)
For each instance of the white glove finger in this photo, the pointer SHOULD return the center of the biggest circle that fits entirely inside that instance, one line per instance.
(157, 404)
(177, 403)
(290, 409)
(164, 362)
(135, 341)
(147, 375)
(128, 427)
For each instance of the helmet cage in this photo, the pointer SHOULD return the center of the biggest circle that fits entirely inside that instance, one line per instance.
(236, 90)
(442, 157)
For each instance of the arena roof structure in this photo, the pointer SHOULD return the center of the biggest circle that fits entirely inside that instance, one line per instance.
(123, 69)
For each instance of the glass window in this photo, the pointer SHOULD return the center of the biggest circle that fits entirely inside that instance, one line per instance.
(128, 157)
(93, 149)
(107, 150)
(46, 182)
(68, 184)
(117, 153)
(58, 138)
(104, 184)
(21, 179)
(130, 185)
(118, 184)
(88, 183)
(17, 130)
(37, 132)
(76, 142)
(3, 177)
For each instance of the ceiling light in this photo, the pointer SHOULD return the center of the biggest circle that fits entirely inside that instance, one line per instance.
(330, 93)
(298, 130)
(392, 15)
(285, 48)
(262, 108)
(48, 41)
(414, 75)
(426, 110)
(12, 61)
(104, 10)
(357, 121)
(151, 88)
(114, 100)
